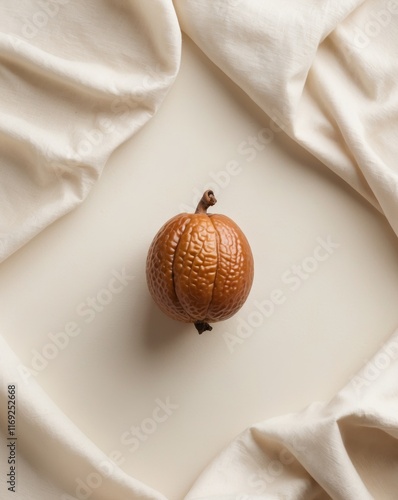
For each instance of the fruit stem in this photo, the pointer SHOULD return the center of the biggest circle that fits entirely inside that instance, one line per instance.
(202, 326)
(208, 200)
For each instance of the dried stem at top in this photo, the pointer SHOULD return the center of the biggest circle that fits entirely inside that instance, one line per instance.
(208, 200)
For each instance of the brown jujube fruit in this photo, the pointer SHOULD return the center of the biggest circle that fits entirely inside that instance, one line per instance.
(200, 267)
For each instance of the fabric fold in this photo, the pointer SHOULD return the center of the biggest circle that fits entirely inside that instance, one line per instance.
(311, 67)
(345, 449)
(71, 96)
(51, 443)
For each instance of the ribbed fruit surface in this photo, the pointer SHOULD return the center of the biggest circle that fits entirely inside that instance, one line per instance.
(200, 268)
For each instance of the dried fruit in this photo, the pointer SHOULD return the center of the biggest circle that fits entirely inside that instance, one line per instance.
(200, 267)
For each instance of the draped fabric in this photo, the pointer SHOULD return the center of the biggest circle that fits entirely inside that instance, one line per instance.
(77, 79)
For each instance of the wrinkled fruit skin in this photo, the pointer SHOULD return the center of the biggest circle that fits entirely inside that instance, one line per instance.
(200, 268)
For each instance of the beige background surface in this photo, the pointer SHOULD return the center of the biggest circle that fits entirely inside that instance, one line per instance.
(126, 356)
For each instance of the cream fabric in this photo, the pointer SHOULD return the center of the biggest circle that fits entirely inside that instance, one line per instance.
(77, 79)
(53, 445)
(326, 73)
(345, 449)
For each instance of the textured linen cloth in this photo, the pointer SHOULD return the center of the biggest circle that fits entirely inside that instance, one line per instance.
(74, 88)
(346, 449)
(76, 80)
